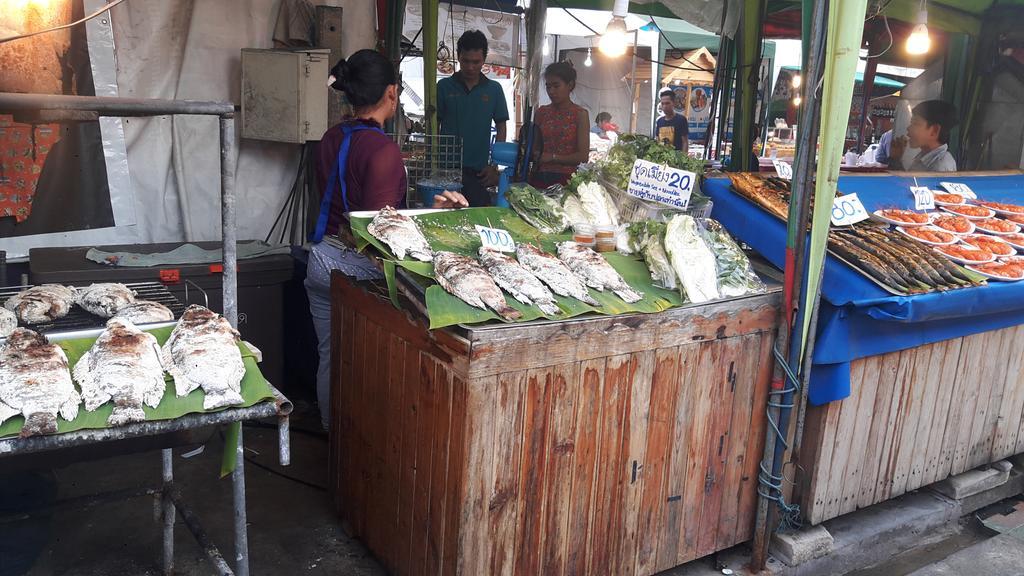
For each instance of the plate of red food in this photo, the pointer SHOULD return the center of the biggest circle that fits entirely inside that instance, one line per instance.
(898, 217)
(993, 244)
(948, 199)
(963, 254)
(1015, 240)
(929, 235)
(996, 226)
(952, 223)
(1018, 218)
(1002, 208)
(1002, 271)
(970, 212)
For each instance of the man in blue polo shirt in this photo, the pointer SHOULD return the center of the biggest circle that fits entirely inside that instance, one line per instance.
(467, 103)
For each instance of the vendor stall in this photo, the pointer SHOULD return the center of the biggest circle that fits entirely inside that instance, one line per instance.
(906, 389)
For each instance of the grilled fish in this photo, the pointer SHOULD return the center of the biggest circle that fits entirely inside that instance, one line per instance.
(202, 351)
(467, 280)
(8, 322)
(595, 271)
(554, 273)
(105, 299)
(145, 312)
(123, 365)
(41, 304)
(35, 382)
(400, 233)
(518, 281)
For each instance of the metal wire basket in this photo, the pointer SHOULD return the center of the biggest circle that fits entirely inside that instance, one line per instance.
(432, 163)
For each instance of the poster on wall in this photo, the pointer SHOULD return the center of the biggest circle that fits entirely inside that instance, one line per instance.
(501, 30)
(699, 112)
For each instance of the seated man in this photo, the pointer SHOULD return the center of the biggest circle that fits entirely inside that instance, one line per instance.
(930, 124)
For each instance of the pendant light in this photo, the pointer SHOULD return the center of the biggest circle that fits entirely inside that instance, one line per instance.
(918, 42)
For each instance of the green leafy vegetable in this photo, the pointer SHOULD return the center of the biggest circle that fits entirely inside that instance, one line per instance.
(542, 212)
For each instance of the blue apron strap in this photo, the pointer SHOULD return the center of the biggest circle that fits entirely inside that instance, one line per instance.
(337, 177)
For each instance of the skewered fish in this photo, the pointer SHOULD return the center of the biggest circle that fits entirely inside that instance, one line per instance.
(123, 365)
(466, 279)
(35, 382)
(105, 299)
(554, 273)
(8, 322)
(145, 312)
(518, 281)
(595, 271)
(40, 304)
(400, 233)
(202, 351)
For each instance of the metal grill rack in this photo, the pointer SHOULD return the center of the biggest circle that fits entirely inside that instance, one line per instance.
(430, 161)
(78, 319)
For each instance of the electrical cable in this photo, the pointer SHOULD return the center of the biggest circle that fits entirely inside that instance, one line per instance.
(266, 468)
(63, 26)
(891, 40)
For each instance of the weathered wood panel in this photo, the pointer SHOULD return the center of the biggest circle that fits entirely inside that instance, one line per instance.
(622, 463)
(913, 418)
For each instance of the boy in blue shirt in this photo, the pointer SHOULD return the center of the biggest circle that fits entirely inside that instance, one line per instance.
(672, 129)
(467, 103)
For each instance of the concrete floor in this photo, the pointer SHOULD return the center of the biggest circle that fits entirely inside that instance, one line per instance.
(292, 528)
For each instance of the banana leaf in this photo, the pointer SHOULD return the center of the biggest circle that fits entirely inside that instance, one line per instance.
(454, 231)
(254, 390)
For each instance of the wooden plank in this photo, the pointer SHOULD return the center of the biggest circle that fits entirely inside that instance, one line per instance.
(664, 391)
(634, 454)
(532, 473)
(979, 434)
(558, 470)
(439, 495)
(473, 547)
(375, 405)
(942, 377)
(704, 384)
(820, 483)
(844, 455)
(367, 358)
(970, 371)
(735, 457)
(393, 446)
(458, 448)
(894, 431)
(915, 390)
(588, 425)
(351, 441)
(866, 387)
(755, 442)
(514, 347)
(1011, 414)
(505, 495)
(342, 326)
(888, 364)
(956, 410)
(716, 444)
(607, 497)
(411, 408)
(669, 532)
(425, 420)
(996, 366)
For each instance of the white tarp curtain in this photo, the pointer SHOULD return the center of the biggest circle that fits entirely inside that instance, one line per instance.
(190, 49)
(706, 14)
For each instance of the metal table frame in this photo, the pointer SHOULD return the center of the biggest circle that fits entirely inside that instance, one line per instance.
(76, 108)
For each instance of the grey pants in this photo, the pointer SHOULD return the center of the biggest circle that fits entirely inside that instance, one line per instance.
(324, 258)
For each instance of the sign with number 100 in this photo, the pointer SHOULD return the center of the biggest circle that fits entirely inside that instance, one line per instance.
(496, 239)
(847, 210)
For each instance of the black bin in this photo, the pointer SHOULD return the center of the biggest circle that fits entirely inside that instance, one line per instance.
(261, 284)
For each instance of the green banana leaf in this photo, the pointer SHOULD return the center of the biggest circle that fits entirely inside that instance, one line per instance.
(454, 231)
(254, 390)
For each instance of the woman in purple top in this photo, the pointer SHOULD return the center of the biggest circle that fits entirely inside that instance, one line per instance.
(358, 168)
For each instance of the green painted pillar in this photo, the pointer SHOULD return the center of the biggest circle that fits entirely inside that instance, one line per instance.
(430, 65)
(748, 65)
(955, 78)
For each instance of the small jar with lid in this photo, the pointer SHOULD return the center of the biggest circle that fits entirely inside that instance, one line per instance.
(583, 234)
(605, 238)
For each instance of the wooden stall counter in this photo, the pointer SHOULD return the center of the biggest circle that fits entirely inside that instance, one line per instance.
(619, 445)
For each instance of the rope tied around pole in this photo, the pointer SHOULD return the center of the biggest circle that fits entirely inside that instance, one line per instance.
(770, 485)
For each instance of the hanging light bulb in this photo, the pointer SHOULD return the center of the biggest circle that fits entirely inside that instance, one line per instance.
(546, 50)
(919, 42)
(613, 41)
(797, 100)
(797, 81)
(589, 61)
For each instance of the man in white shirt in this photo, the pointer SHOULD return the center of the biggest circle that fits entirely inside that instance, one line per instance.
(930, 124)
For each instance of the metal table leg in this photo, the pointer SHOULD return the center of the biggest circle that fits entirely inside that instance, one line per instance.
(241, 529)
(168, 510)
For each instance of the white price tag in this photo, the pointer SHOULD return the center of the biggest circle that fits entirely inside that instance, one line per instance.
(958, 188)
(847, 210)
(783, 169)
(656, 183)
(496, 239)
(923, 198)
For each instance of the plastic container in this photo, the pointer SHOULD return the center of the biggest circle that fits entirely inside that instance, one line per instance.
(426, 190)
(605, 238)
(583, 233)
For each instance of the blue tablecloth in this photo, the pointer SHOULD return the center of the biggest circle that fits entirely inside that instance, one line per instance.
(859, 319)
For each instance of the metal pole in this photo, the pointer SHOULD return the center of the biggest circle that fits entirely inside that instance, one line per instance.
(191, 522)
(167, 456)
(867, 87)
(632, 82)
(105, 106)
(283, 441)
(241, 528)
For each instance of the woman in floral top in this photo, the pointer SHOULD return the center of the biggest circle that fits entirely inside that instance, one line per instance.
(564, 126)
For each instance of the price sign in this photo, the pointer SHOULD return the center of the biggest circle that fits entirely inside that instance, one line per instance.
(656, 183)
(847, 210)
(958, 188)
(783, 169)
(923, 198)
(496, 239)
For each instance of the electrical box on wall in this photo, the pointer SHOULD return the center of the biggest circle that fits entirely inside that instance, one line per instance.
(284, 94)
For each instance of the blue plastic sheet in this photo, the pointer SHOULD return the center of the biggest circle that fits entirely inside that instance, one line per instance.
(857, 317)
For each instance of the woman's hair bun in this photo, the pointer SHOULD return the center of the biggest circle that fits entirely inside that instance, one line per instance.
(340, 71)
(363, 77)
